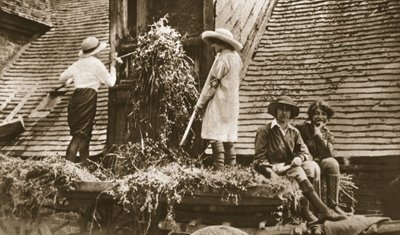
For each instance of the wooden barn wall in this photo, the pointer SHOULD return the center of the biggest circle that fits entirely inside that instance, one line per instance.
(347, 53)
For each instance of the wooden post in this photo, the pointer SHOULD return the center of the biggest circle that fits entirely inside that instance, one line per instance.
(208, 24)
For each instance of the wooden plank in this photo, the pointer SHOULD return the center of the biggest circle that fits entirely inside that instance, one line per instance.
(332, 25)
(294, 11)
(234, 219)
(321, 2)
(344, 91)
(363, 37)
(390, 227)
(302, 6)
(357, 17)
(12, 128)
(377, 85)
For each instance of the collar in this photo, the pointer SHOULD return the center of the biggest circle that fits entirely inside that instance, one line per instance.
(275, 123)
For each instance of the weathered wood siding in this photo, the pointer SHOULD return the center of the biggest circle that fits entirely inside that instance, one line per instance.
(348, 53)
(345, 52)
(243, 18)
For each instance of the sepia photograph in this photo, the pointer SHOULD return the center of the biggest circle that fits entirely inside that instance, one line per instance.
(202, 117)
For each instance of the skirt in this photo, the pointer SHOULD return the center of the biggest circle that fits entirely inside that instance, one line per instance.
(81, 111)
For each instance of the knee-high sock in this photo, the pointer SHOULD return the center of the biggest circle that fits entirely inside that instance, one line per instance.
(230, 154)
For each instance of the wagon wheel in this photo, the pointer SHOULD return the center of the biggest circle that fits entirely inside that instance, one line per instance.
(108, 217)
(219, 230)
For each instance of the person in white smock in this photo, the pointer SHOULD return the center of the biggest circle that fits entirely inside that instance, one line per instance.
(219, 100)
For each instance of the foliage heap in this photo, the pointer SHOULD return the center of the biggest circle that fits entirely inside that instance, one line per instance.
(27, 185)
(142, 191)
(164, 92)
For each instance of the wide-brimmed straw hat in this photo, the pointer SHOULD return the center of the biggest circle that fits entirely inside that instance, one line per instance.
(286, 100)
(91, 46)
(223, 35)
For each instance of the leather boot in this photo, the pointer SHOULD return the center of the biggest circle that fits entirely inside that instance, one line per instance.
(324, 213)
(305, 212)
(332, 191)
(317, 187)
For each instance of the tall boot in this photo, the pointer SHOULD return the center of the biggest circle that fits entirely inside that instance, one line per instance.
(218, 155)
(305, 212)
(332, 191)
(317, 187)
(230, 154)
(324, 213)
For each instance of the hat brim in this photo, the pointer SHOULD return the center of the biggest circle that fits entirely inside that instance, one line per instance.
(273, 107)
(102, 46)
(207, 35)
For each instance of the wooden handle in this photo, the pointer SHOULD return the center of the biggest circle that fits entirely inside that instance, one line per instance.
(119, 57)
(188, 127)
(195, 110)
(58, 88)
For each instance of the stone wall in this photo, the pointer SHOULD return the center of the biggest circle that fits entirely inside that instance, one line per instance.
(36, 10)
(10, 44)
(20, 20)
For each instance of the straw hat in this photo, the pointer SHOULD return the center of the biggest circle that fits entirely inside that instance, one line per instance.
(223, 35)
(91, 46)
(286, 100)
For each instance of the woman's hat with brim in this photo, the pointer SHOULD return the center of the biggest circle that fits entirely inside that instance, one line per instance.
(91, 46)
(286, 100)
(223, 35)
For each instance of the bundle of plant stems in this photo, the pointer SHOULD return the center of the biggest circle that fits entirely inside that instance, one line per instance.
(27, 184)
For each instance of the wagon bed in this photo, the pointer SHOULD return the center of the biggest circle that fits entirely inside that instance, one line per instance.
(253, 214)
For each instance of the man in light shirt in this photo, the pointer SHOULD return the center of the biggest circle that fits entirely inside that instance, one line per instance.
(87, 74)
(280, 151)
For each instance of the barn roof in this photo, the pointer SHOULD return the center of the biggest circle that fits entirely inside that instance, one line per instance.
(27, 81)
(346, 52)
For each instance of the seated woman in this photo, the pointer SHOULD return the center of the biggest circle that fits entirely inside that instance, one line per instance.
(319, 141)
(280, 151)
